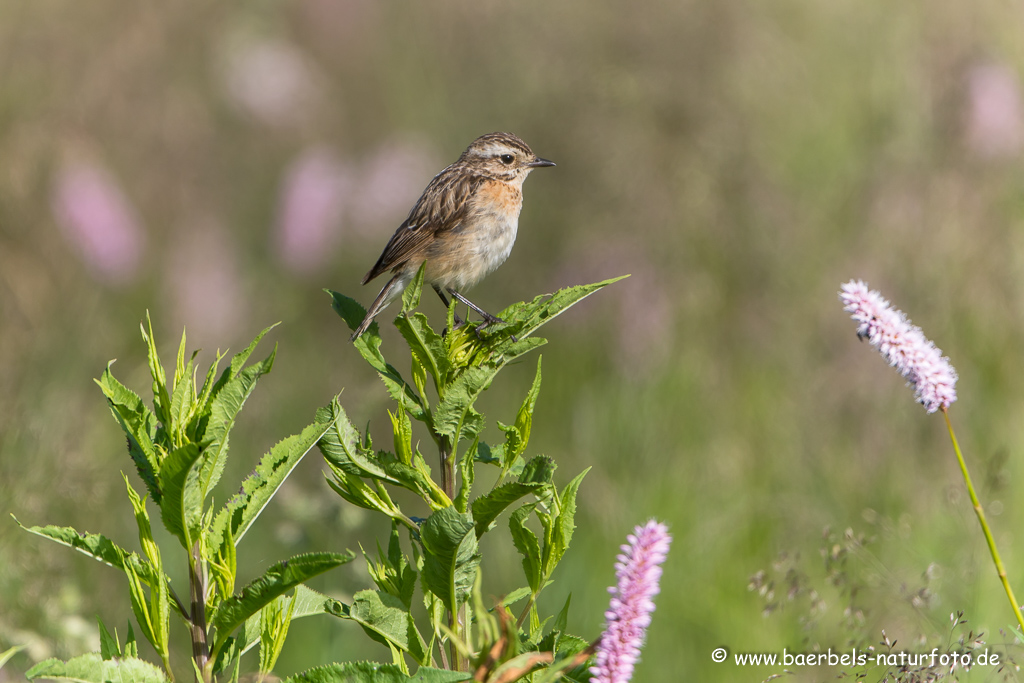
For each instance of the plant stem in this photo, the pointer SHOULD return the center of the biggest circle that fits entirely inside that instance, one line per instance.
(984, 524)
(526, 611)
(200, 648)
(454, 626)
(444, 449)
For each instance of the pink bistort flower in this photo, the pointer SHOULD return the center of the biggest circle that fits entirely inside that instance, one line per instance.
(902, 344)
(638, 570)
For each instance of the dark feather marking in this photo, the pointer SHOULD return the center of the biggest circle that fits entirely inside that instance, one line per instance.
(440, 209)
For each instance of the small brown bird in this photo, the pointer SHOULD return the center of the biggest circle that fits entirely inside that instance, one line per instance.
(463, 226)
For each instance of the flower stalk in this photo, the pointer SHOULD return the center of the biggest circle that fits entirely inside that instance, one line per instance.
(931, 375)
(978, 510)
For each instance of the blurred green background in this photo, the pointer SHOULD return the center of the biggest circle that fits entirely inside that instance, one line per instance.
(220, 163)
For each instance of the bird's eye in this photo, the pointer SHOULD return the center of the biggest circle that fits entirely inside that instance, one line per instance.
(507, 159)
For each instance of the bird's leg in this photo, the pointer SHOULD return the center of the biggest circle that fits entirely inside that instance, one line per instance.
(488, 318)
(459, 322)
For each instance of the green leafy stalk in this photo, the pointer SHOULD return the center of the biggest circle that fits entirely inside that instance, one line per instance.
(463, 363)
(1000, 569)
(276, 581)
(273, 631)
(179, 448)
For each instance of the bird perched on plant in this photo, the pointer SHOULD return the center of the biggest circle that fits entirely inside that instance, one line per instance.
(463, 225)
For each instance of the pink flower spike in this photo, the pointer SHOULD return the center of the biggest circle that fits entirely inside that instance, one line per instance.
(902, 344)
(638, 570)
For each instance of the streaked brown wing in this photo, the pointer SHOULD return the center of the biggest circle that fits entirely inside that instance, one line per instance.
(441, 207)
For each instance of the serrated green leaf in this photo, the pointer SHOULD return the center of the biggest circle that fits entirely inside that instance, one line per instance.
(277, 580)
(524, 422)
(274, 623)
(512, 447)
(562, 620)
(239, 360)
(109, 647)
(91, 668)
(356, 491)
(411, 295)
(487, 455)
(140, 426)
(402, 429)
(223, 565)
(203, 398)
(505, 341)
(427, 346)
(450, 557)
(515, 596)
(372, 672)
(415, 478)
(182, 399)
(160, 609)
(524, 318)
(388, 621)
(368, 346)
(182, 505)
(455, 416)
(460, 395)
(179, 366)
(96, 546)
(141, 608)
(131, 645)
(540, 469)
(392, 572)
(161, 400)
(564, 525)
(149, 545)
(467, 472)
(527, 544)
(226, 400)
(307, 603)
(487, 507)
(488, 630)
(259, 487)
(565, 648)
(341, 447)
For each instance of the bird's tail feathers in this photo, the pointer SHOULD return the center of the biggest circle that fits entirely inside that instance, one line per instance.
(390, 291)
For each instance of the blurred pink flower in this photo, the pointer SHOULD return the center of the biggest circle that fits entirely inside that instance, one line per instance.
(270, 80)
(314, 192)
(902, 344)
(390, 182)
(995, 115)
(94, 215)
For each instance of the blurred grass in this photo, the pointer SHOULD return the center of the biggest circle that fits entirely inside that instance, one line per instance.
(740, 159)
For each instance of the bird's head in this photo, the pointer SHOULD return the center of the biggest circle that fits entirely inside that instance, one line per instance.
(502, 156)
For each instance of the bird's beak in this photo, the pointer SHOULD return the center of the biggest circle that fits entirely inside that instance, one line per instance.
(538, 162)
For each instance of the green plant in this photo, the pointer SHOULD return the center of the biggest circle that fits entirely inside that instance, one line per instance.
(488, 642)
(179, 448)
